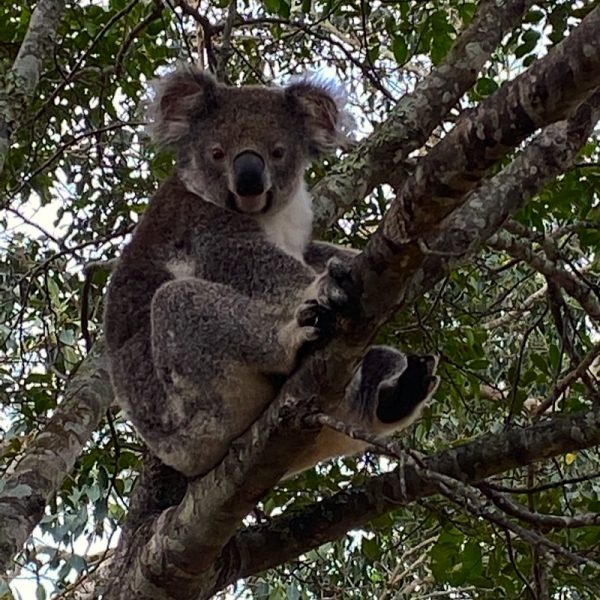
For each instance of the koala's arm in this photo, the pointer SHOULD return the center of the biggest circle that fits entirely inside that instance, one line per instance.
(318, 253)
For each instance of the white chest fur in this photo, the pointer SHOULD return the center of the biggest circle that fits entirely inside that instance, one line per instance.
(290, 228)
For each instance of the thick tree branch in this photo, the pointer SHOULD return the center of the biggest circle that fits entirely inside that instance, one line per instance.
(52, 454)
(379, 158)
(21, 81)
(260, 547)
(549, 91)
(430, 256)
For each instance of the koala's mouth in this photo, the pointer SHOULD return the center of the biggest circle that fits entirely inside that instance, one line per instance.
(257, 204)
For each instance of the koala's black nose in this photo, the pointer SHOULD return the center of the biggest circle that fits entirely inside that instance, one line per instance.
(248, 173)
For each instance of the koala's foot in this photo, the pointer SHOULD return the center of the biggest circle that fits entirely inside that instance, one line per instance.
(402, 397)
(311, 323)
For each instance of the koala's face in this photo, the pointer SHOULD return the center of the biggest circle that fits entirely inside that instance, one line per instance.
(243, 148)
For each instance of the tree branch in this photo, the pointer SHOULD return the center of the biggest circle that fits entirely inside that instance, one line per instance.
(379, 158)
(16, 91)
(285, 537)
(575, 288)
(226, 50)
(563, 384)
(52, 454)
(539, 519)
(549, 91)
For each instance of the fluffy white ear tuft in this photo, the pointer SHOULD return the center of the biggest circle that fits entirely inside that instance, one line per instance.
(321, 100)
(180, 97)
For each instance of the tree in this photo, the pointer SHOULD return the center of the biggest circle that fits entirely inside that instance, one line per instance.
(472, 190)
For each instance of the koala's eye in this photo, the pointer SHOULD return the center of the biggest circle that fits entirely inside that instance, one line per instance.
(218, 154)
(278, 152)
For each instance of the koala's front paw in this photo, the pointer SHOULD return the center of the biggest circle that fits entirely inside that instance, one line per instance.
(405, 395)
(337, 290)
(331, 294)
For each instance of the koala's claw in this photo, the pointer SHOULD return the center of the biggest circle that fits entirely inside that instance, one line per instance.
(320, 319)
(337, 288)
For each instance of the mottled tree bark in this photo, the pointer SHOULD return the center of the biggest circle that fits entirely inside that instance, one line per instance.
(52, 455)
(19, 84)
(379, 158)
(549, 91)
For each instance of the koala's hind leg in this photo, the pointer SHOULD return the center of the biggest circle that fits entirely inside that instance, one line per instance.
(387, 394)
(390, 389)
(195, 322)
(215, 353)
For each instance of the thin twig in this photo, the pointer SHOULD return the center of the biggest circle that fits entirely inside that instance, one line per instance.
(226, 50)
(563, 384)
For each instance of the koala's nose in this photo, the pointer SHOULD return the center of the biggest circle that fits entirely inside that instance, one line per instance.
(248, 173)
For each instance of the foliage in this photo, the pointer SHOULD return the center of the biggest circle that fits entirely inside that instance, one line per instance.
(77, 178)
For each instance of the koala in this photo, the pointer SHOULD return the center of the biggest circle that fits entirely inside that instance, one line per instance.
(221, 288)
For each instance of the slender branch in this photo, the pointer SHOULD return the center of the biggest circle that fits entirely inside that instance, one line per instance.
(76, 69)
(543, 486)
(226, 51)
(573, 227)
(153, 15)
(575, 288)
(563, 384)
(518, 310)
(69, 141)
(474, 502)
(206, 25)
(538, 519)
(207, 28)
(563, 320)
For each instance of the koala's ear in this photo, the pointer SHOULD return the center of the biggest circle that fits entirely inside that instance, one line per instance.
(320, 101)
(185, 95)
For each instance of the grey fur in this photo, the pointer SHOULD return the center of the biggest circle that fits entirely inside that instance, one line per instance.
(214, 295)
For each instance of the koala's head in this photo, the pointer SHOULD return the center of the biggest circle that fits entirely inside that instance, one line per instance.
(245, 148)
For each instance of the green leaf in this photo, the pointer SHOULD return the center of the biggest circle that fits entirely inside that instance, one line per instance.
(485, 86)
(370, 548)
(534, 16)
(272, 6)
(400, 50)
